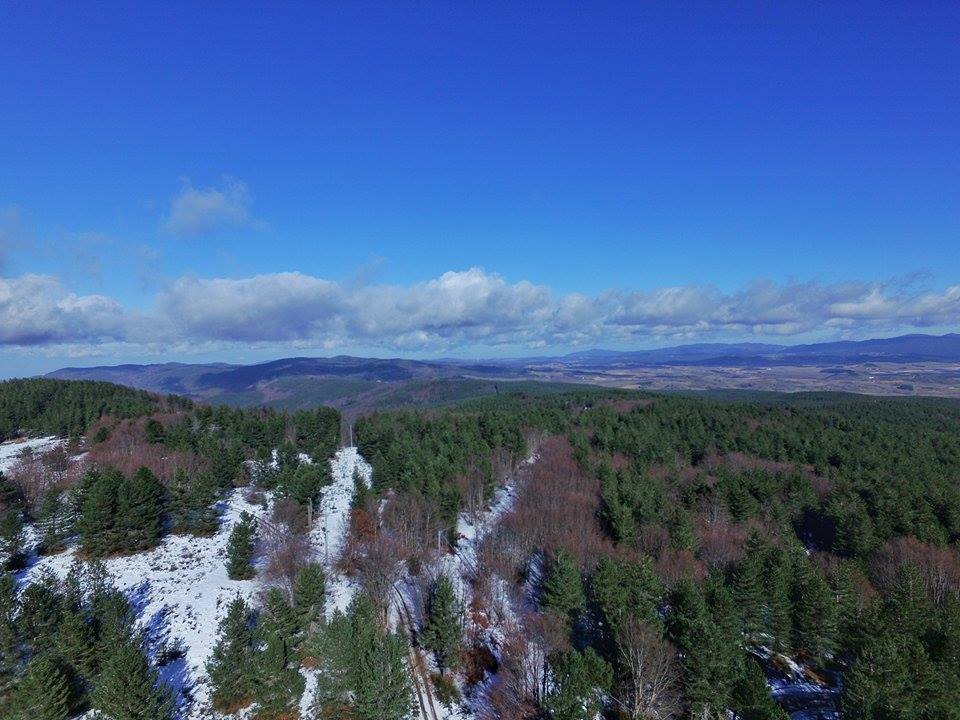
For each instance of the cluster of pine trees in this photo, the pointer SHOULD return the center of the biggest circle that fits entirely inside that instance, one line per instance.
(119, 514)
(69, 647)
(362, 671)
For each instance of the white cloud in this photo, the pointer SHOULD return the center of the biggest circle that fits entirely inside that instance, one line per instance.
(38, 310)
(460, 309)
(196, 211)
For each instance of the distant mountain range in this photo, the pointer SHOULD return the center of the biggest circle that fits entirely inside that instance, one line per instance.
(372, 382)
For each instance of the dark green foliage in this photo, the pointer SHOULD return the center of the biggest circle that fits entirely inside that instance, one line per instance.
(751, 696)
(230, 667)
(278, 684)
(44, 692)
(563, 587)
(444, 625)
(9, 636)
(66, 407)
(119, 514)
(141, 504)
(41, 607)
(127, 689)
(54, 520)
(240, 547)
(623, 590)
(579, 679)
(309, 599)
(362, 666)
(361, 491)
(191, 507)
(703, 625)
(12, 539)
(153, 431)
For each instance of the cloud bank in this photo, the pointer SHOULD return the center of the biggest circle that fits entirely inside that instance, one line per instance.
(469, 308)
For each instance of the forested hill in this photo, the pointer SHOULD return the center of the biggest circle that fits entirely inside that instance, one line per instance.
(808, 540)
(56, 407)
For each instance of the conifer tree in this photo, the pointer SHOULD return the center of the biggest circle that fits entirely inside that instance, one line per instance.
(579, 679)
(279, 683)
(623, 590)
(74, 643)
(127, 687)
(380, 684)
(230, 667)
(751, 696)
(191, 503)
(43, 693)
(9, 636)
(140, 506)
(814, 611)
(444, 623)
(309, 597)
(153, 431)
(361, 491)
(240, 548)
(41, 607)
(97, 522)
(12, 539)
(563, 587)
(748, 587)
(54, 520)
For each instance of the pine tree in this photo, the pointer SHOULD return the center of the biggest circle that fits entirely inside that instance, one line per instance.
(361, 491)
(54, 520)
(127, 688)
(563, 586)
(10, 645)
(191, 503)
(751, 696)
(624, 590)
(279, 683)
(43, 693)
(230, 667)
(141, 503)
(814, 611)
(381, 687)
(96, 497)
(444, 623)
(579, 679)
(12, 538)
(41, 607)
(74, 643)
(748, 587)
(153, 431)
(309, 597)
(240, 548)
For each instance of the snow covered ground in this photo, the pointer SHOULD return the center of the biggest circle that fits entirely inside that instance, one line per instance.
(181, 589)
(11, 450)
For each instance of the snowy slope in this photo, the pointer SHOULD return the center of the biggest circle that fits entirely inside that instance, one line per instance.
(181, 589)
(10, 451)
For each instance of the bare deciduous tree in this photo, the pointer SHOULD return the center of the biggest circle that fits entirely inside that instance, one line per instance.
(648, 688)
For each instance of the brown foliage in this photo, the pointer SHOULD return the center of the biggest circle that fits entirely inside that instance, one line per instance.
(556, 507)
(34, 474)
(286, 552)
(939, 567)
(126, 450)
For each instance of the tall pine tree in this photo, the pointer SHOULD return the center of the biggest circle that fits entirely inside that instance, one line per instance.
(240, 548)
(127, 687)
(444, 623)
(230, 667)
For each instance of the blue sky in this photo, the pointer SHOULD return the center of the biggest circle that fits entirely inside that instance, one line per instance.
(236, 181)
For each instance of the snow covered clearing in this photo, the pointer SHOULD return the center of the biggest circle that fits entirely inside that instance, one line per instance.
(11, 450)
(181, 590)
